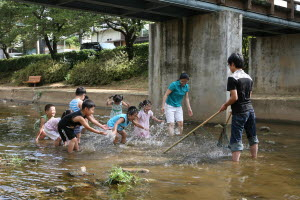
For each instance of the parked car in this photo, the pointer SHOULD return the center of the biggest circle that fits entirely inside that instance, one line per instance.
(97, 46)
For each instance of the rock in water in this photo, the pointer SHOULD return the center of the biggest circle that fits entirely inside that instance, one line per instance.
(58, 189)
(80, 173)
(265, 128)
(136, 170)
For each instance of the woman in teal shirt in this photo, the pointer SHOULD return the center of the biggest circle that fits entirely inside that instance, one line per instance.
(171, 104)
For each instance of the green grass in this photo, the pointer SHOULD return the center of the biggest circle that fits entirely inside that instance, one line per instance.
(118, 176)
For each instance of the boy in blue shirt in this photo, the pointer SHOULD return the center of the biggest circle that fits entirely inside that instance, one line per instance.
(243, 117)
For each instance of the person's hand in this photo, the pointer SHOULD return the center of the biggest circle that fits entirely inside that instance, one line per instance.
(105, 127)
(37, 140)
(161, 121)
(223, 107)
(190, 112)
(146, 129)
(163, 110)
(102, 133)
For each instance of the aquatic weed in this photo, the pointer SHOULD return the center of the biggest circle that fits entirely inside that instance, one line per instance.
(11, 159)
(117, 176)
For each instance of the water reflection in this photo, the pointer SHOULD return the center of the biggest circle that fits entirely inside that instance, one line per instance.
(194, 169)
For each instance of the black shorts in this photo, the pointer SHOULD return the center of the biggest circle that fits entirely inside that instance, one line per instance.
(66, 133)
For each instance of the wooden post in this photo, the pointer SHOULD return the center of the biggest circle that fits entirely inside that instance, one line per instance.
(291, 6)
(248, 4)
(221, 2)
(271, 10)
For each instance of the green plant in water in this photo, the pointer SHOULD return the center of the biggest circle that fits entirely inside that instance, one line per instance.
(117, 175)
(13, 159)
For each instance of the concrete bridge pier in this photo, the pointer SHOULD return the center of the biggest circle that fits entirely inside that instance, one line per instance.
(275, 68)
(198, 45)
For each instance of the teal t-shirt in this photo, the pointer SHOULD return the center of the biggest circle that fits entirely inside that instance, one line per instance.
(178, 92)
(112, 121)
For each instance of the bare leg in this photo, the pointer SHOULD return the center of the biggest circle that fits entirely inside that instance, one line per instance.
(253, 151)
(171, 129)
(124, 135)
(180, 127)
(42, 135)
(78, 137)
(57, 142)
(236, 156)
(73, 145)
(116, 140)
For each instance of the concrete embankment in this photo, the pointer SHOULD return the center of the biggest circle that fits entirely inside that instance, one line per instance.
(268, 108)
(62, 96)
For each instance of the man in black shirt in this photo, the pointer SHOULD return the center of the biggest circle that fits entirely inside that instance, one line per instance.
(243, 117)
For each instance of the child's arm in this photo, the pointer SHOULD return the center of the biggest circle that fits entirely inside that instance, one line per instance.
(115, 128)
(187, 100)
(42, 122)
(94, 121)
(82, 121)
(125, 104)
(157, 120)
(138, 125)
(80, 104)
(109, 101)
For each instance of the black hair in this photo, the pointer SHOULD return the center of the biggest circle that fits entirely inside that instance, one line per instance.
(80, 91)
(48, 106)
(144, 103)
(86, 97)
(66, 113)
(88, 104)
(132, 110)
(237, 59)
(184, 76)
(117, 98)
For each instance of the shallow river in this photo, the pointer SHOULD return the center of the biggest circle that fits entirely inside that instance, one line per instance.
(194, 169)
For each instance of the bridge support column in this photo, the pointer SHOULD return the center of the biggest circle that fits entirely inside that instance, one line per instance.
(274, 67)
(199, 46)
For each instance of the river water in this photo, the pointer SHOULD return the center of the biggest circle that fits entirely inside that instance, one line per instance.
(194, 169)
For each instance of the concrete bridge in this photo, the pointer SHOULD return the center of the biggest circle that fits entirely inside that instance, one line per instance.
(197, 37)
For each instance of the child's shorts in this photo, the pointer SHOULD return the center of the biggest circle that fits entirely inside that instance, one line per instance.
(66, 134)
(173, 114)
(53, 135)
(78, 129)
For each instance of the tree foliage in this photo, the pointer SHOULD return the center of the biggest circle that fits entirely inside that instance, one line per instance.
(130, 28)
(10, 26)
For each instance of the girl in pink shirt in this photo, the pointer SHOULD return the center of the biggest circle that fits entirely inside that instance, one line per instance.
(143, 119)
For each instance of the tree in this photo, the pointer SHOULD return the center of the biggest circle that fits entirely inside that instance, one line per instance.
(130, 28)
(10, 25)
(53, 24)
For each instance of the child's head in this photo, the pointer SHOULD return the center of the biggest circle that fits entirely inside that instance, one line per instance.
(146, 105)
(184, 79)
(132, 113)
(80, 92)
(50, 110)
(235, 60)
(88, 107)
(66, 113)
(117, 98)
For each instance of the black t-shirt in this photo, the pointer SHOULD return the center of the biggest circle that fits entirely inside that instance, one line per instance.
(241, 82)
(68, 122)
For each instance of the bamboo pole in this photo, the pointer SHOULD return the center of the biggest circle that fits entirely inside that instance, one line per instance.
(192, 131)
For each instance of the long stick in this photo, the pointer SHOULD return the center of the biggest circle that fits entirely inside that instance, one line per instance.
(193, 131)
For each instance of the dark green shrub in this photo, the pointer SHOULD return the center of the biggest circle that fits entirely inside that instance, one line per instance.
(14, 64)
(51, 72)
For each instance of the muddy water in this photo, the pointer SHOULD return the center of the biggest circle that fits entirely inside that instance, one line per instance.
(195, 169)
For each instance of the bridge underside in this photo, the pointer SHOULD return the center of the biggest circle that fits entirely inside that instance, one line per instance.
(258, 19)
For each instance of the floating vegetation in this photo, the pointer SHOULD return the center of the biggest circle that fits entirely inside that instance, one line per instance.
(10, 159)
(119, 176)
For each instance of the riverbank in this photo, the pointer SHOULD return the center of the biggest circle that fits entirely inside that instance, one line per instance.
(273, 108)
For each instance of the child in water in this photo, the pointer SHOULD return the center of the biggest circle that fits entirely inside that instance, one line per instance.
(117, 103)
(144, 116)
(120, 122)
(39, 124)
(69, 122)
